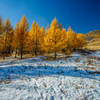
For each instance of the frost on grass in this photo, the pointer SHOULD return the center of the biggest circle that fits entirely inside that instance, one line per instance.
(73, 78)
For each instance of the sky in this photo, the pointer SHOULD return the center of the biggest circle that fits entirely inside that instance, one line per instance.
(82, 15)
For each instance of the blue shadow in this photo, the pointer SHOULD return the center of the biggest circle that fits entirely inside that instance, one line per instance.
(17, 72)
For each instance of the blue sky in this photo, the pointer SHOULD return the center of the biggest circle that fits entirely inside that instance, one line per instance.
(81, 15)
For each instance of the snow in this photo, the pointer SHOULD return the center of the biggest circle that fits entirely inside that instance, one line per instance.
(72, 78)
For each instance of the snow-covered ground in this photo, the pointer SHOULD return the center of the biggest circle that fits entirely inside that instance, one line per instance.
(74, 78)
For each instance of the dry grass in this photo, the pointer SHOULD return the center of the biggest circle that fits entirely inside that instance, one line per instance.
(93, 44)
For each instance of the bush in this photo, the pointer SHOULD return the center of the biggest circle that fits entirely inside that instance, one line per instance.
(68, 52)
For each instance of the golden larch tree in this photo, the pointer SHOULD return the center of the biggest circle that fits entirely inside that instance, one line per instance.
(71, 38)
(1, 26)
(36, 38)
(15, 43)
(55, 38)
(6, 38)
(23, 35)
(81, 41)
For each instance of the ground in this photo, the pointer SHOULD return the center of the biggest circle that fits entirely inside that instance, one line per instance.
(74, 77)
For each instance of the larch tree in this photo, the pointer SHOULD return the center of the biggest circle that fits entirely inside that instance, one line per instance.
(8, 31)
(36, 36)
(1, 38)
(81, 40)
(54, 26)
(15, 43)
(47, 41)
(1, 26)
(23, 35)
(55, 38)
(41, 40)
(71, 38)
(7, 38)
(2, 45)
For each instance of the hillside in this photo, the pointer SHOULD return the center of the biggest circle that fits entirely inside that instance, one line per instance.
(93, 34)
(93, 39)
(94, 44)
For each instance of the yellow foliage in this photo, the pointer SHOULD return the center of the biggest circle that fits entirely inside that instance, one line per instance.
(36, 38)
(1, 26)
(21, 36)
(55, 38)
(68, 52)
(71, 38)
(81, 40)
(6, 37)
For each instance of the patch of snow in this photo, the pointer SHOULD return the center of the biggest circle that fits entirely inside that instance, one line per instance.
(36, 79)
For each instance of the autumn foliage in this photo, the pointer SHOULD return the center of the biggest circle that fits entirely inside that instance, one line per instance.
(37, 41)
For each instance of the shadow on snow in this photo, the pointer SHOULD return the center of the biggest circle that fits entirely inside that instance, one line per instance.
(17, 72)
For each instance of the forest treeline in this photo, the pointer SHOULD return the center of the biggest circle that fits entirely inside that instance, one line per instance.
(37, 41)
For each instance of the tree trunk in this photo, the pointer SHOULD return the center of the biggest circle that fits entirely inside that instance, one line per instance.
(15, 53)
(21, 53)
(3, 56)
(55, 55)
(36, 49)
(36, 45)
(35, 52)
